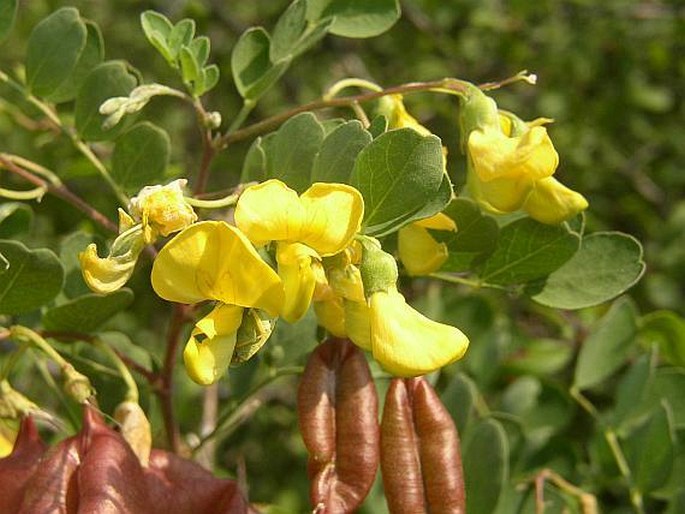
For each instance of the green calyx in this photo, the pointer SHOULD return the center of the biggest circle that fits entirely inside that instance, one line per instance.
(478, 111)
(378, 268)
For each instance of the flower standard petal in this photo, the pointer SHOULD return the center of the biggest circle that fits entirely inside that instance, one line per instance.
(241, 275)
(333, 215)
(405, 342)
(269, 211)
(209, 350)
(174, 272)
(213, 260)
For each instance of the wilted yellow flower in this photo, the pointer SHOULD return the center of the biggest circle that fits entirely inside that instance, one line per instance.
(319, 223)
(162, 210)
(419, 252)
(213, 260)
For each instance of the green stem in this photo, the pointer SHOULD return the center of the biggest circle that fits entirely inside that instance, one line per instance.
(455, 279)
(131, 386)
(30, 194)
(27, 335)
(213, 204)
(242, 115)
(350, 82)
(78, 144)
(231, 419)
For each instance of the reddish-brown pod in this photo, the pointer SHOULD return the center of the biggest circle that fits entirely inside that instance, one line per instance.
(338, 412)
(420, 457)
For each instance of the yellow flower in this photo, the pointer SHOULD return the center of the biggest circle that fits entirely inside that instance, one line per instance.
(392, 107)
(319, 223)
(213, 260)
(405, 342)
(505, 169)
(419, 252)
(8, 434)
(162, 210)
(209, 350)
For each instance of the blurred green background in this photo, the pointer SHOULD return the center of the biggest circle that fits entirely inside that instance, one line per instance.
(610, 73)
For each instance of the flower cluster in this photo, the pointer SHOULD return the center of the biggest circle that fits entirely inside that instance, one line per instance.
(314, 237)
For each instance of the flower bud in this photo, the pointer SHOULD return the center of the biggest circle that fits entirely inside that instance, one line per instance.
(552, 202)
(135, 429)
(419, 252)
(76, 384)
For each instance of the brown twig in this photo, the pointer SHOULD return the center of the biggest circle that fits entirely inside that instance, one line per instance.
(166, 383)
(327, 103)
(60, 191)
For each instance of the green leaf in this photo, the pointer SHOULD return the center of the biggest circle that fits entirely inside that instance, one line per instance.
(398, 174)
(53, 49)
(252, 69)
(8, 12)
(15, 219)
(157, 28)
(354, 18)
(254, 165)
(607, 346)
(527, 250)
(607, 264)
(141, 156)
(200, 47)
(34, 277)
(459, 398)
(669, 384)
(109, 79)
(181, 35)
(291, 154)
(378, 126)
(335, 160)
(208, 79)
(475, 238)
(540, 357)
(86, 313)
(92, 54)
(632, 390)
(293, 35)
(650, 450)
(190, 68)
(666, 330)
(486, 466)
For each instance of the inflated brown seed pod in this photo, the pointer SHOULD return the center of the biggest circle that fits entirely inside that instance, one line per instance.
(420, 457)
(338, 413)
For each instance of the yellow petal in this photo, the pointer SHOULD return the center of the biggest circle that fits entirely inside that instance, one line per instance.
(552, 202)
(331, 315)
(419, 252)
(8, 434)
(299, 279)
(405, 342)
(107, 274)
(333, 215)
(213, 260)
(392, 107)
(494, 155)
(208, 352)
(270, 211)
(357, 323)
(439, 221)
(346, 282)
